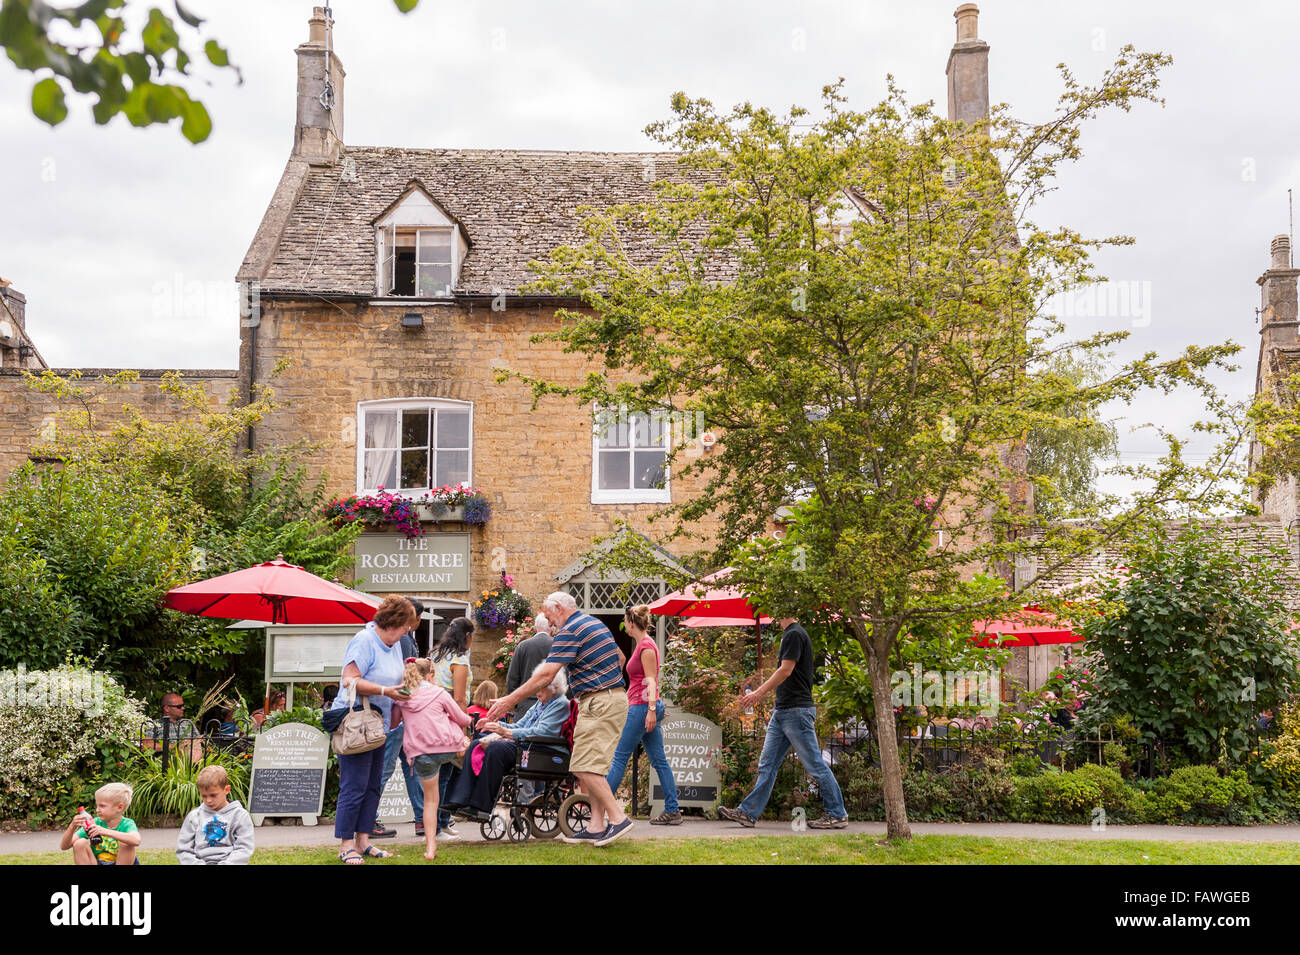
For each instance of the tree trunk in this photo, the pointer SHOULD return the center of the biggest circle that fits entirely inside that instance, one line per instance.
(896, 826)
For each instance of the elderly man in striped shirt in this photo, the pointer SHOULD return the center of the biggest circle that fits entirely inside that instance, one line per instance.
(595, 663)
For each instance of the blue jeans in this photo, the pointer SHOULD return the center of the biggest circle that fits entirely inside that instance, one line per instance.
(358, 793)
(794, 726)
(633, 733)
(444, 780)
(392, 753)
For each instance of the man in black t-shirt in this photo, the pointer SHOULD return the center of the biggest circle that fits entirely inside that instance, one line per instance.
(793, 723)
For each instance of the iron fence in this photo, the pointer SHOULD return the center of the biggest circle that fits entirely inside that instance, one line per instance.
(172, 738)
(936, 747)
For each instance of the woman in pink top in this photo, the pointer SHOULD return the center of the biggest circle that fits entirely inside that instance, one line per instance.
(644, 711)
(434, 735)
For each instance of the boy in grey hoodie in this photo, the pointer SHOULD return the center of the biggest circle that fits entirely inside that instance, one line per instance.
(219, 832)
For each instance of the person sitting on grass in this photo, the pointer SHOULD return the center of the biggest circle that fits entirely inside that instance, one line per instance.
(109, 838)
(219, 832)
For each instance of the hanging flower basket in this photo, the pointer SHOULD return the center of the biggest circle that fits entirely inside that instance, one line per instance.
(503, 606)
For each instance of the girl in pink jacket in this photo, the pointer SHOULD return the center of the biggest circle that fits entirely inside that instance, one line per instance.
(434, 735)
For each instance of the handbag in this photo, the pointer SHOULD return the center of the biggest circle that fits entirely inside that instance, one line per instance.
(360, 731)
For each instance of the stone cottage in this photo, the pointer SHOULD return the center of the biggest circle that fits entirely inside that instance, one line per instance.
(394, 282)
(383, 290)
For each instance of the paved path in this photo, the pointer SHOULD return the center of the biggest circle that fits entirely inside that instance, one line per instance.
(270, 835)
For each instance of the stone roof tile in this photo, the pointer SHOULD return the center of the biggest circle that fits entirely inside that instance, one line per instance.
(515, 205)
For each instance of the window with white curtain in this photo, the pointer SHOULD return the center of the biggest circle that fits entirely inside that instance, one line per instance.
(414, 445)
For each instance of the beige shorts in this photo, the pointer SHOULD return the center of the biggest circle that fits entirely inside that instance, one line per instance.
(597, 732)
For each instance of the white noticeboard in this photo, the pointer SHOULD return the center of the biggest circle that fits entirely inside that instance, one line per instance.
(306, 652)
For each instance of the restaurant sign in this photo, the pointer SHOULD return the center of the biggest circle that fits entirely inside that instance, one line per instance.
(395, 563)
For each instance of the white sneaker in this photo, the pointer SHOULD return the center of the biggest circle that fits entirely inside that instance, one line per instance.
(447, 835)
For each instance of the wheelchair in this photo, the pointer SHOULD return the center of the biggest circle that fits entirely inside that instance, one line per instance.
(558, 808)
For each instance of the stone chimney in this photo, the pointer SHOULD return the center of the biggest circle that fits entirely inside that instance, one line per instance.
(1277, 305)
(318, 134)
(968, 69)
(15, 303)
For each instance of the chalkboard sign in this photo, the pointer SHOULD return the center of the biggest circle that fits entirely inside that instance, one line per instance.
(289, 773)
(690, 742)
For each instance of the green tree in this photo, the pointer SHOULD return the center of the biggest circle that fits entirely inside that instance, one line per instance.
(855, 302)
(138, 506)
(143, 73)
(1065, 453)
(1197, 642)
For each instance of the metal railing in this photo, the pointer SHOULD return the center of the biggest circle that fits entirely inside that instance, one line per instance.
(171, 738)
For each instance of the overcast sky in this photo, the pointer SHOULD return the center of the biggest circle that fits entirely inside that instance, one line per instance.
(126, 241)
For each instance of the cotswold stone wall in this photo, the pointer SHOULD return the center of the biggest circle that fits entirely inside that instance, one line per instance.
(535, 465)
(27, 412)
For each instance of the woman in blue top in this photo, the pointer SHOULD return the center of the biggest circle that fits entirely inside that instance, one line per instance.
(372, 665)
(475, 795)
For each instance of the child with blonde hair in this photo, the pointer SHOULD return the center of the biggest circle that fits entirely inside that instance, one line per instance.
(107, 838)
(434, 735)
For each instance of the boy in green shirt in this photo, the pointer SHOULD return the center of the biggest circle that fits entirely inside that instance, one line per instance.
(110, 838)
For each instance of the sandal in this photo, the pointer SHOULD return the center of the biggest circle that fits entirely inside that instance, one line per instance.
(351, 857)
(374, 852)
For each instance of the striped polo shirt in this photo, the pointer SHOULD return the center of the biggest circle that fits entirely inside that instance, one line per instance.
(587, 648)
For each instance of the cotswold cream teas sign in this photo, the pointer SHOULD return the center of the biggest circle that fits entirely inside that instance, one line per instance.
(388, 562)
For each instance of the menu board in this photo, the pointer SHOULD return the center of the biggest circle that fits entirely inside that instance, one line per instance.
(289, 764)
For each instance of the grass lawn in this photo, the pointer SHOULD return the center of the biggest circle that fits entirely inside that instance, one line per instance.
(785, 850)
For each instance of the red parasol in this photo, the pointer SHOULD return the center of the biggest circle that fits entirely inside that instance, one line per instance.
(1031, 627)
(712, 604)
(723, 621)
(707, 597)
(275, 592)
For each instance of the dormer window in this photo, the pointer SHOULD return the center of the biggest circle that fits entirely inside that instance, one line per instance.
(423, 263)
(419, 247)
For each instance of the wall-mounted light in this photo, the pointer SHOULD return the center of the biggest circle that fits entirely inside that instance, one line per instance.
(412, 320)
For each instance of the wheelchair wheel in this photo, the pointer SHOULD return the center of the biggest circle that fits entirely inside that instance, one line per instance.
(544, 820)
(575, 814)
(494, 828)
(517, 826)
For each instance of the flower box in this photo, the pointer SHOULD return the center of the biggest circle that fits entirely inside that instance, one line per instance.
(432, 512)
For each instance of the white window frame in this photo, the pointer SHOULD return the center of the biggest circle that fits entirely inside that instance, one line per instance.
(408, 404)
(386, 252)
(651, 495)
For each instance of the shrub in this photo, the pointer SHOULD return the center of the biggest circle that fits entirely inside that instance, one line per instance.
(1199, 794)
(1283, 757)
(1054, 796)
(1026, 765)
(176, 791)
(1200, 644)
(966, 793)
(60, 730)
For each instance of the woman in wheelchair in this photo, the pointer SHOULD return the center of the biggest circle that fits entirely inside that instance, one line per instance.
(474, 793)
